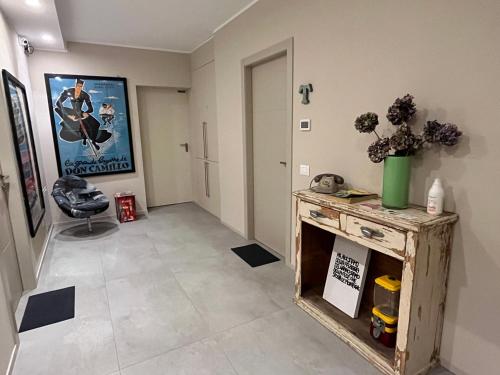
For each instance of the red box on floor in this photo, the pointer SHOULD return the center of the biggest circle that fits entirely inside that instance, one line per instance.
(125, 206)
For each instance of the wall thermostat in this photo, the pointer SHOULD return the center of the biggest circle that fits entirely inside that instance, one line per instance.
(305, 125)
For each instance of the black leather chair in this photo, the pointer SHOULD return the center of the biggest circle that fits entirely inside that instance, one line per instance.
(79, 199)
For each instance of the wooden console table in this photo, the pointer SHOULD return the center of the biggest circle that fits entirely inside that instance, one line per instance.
(410, 244)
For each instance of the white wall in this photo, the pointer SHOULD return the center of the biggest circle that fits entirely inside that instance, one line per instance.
(359, 56)
(140, 67)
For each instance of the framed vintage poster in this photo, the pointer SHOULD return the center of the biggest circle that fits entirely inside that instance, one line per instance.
(24, 145)
(90, 124)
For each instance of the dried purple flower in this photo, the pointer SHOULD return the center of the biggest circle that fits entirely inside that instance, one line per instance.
(379, 150)
(403, 142)
(448, 135)
(418, 143)
(431, 129)
(403, 139)
(366, 123)
(402, 110)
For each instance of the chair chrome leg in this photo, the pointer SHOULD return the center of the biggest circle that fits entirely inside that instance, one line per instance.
(89, 224)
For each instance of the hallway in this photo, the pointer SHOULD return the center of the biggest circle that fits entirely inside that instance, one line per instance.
(166, 295)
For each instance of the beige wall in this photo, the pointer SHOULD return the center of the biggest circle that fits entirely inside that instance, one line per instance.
(203, 55)
(360, 56)
(140, 67)
(29, 250)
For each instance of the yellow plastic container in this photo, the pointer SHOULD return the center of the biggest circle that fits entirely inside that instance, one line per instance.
(385, 311)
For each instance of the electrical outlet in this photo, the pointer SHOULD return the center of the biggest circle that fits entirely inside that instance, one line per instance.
(304, 170)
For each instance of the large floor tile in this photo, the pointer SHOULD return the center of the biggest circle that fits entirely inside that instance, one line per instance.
(151, 315)
(129, 255)
(289, 342)
(278, 281)
(80, 346)
(70, 348)
(72, 264)
(177, 236)
(201, 358)
(225, 295)
(76, 231)
(166, 295)
(175, 250)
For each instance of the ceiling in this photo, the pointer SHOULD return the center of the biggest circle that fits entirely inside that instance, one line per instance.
(170, 25)
(35, 19)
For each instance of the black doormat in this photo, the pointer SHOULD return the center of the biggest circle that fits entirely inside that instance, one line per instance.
(49, 308)
(255, 255)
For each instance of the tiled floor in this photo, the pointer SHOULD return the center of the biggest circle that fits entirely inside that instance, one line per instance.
(165, 295)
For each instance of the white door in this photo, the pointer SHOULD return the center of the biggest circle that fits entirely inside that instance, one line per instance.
(203, 107)
(9, 265)
(164, 121)
(269, 82)
(206, 185)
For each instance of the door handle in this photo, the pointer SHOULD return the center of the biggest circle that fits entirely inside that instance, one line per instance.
(205, 141)
(207, 181)
(185, 145)
(283, 163)
(4, 184)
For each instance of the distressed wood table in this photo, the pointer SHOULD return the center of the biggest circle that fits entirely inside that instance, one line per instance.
(409, 244)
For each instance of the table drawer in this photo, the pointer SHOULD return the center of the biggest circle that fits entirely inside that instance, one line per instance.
(322, 215)
(379, 234)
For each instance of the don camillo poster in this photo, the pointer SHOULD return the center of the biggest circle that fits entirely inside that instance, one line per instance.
(90, 124)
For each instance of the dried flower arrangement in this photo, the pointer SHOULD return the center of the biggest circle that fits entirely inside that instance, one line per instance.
(404, 142)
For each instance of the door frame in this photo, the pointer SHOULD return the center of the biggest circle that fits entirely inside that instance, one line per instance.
(284, 48)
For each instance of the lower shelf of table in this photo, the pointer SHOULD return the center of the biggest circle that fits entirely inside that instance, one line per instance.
(355, 332)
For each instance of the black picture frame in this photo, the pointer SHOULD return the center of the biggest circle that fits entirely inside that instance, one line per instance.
(27, 161)
(55, 125)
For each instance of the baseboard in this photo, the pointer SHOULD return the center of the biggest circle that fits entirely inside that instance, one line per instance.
(12, 360)
(203, 208)
(44, 251)
(233, 229)
(142, 213)
(425, 370)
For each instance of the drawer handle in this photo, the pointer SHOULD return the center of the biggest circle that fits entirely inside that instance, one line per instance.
(369, 232)
(316, 214)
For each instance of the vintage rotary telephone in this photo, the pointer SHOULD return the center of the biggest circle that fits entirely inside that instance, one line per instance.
(327, 183)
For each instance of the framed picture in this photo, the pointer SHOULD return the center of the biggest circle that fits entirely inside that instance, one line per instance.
(90, 124)
(22, 135)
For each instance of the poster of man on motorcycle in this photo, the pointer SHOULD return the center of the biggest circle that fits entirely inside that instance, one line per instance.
(90, 124)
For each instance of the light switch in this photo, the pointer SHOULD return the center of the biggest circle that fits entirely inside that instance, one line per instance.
(305, 125)
(304, 170)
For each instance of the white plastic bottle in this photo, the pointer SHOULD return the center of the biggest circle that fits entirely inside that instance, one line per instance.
(435, 198)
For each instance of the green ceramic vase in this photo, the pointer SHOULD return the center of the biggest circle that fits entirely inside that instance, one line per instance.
(397, 172)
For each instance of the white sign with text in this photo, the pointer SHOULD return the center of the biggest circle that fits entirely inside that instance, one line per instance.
(346, 275)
